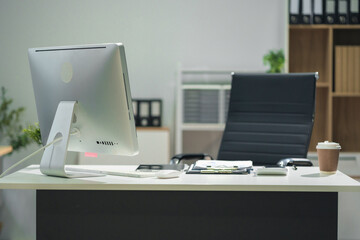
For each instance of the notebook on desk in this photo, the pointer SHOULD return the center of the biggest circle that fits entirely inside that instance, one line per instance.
(220, 167)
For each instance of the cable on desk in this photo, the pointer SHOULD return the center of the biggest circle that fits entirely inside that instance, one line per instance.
(76, 131)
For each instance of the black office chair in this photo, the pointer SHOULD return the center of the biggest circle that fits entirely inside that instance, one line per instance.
(270, 118)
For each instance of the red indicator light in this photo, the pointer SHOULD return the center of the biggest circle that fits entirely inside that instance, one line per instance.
(89, 154)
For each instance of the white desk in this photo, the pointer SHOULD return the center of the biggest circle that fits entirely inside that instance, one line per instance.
(304, 179)
(303, 204)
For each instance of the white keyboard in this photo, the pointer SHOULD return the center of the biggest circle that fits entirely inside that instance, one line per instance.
(137, 174)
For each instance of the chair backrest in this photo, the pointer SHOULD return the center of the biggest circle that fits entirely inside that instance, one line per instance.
(270, 117)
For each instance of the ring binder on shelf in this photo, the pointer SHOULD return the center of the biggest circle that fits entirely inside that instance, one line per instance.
(147, 112)
(294, 11)
(343, 11)
(144, 113)
(318, 12)
(354, 11)
(306, 15)
(135, 108)
(155, 116)
(330, 11)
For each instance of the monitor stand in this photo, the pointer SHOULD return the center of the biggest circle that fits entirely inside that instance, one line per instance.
(54, 157)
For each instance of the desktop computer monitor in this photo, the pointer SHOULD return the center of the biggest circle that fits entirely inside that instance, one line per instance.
(83, 88)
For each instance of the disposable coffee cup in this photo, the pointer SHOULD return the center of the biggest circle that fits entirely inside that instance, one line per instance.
(328, 156)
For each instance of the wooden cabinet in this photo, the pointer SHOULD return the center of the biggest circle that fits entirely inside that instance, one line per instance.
(334, 52)
(5, 150)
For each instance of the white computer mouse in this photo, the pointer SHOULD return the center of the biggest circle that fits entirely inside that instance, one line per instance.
(168, 174)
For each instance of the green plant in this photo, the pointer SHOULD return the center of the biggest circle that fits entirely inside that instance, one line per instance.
(274, 59)
(10, 127)
(33, 131)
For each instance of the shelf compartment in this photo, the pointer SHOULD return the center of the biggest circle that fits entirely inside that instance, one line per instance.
(346, 37)
(346, 127)
(315, 48)
(347, 71)
(310, 51)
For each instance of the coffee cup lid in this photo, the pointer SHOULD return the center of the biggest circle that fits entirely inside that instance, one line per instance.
(328, 145)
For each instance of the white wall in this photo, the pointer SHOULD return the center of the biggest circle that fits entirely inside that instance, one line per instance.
(228, 34)
(211, 34)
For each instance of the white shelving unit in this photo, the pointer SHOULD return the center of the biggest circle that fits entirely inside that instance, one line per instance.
(202, 101)
(201, 109)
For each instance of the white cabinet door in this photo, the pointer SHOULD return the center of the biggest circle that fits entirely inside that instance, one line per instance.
(154, 146)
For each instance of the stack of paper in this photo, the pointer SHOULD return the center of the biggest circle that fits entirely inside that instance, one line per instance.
(220, 166)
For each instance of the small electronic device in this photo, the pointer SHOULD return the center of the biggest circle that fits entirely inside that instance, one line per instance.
(168, 174)
(271, 170)
(83, 88)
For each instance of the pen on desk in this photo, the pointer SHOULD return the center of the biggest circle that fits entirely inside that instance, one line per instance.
(216, 171)
(212, 168)
(225, 170)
